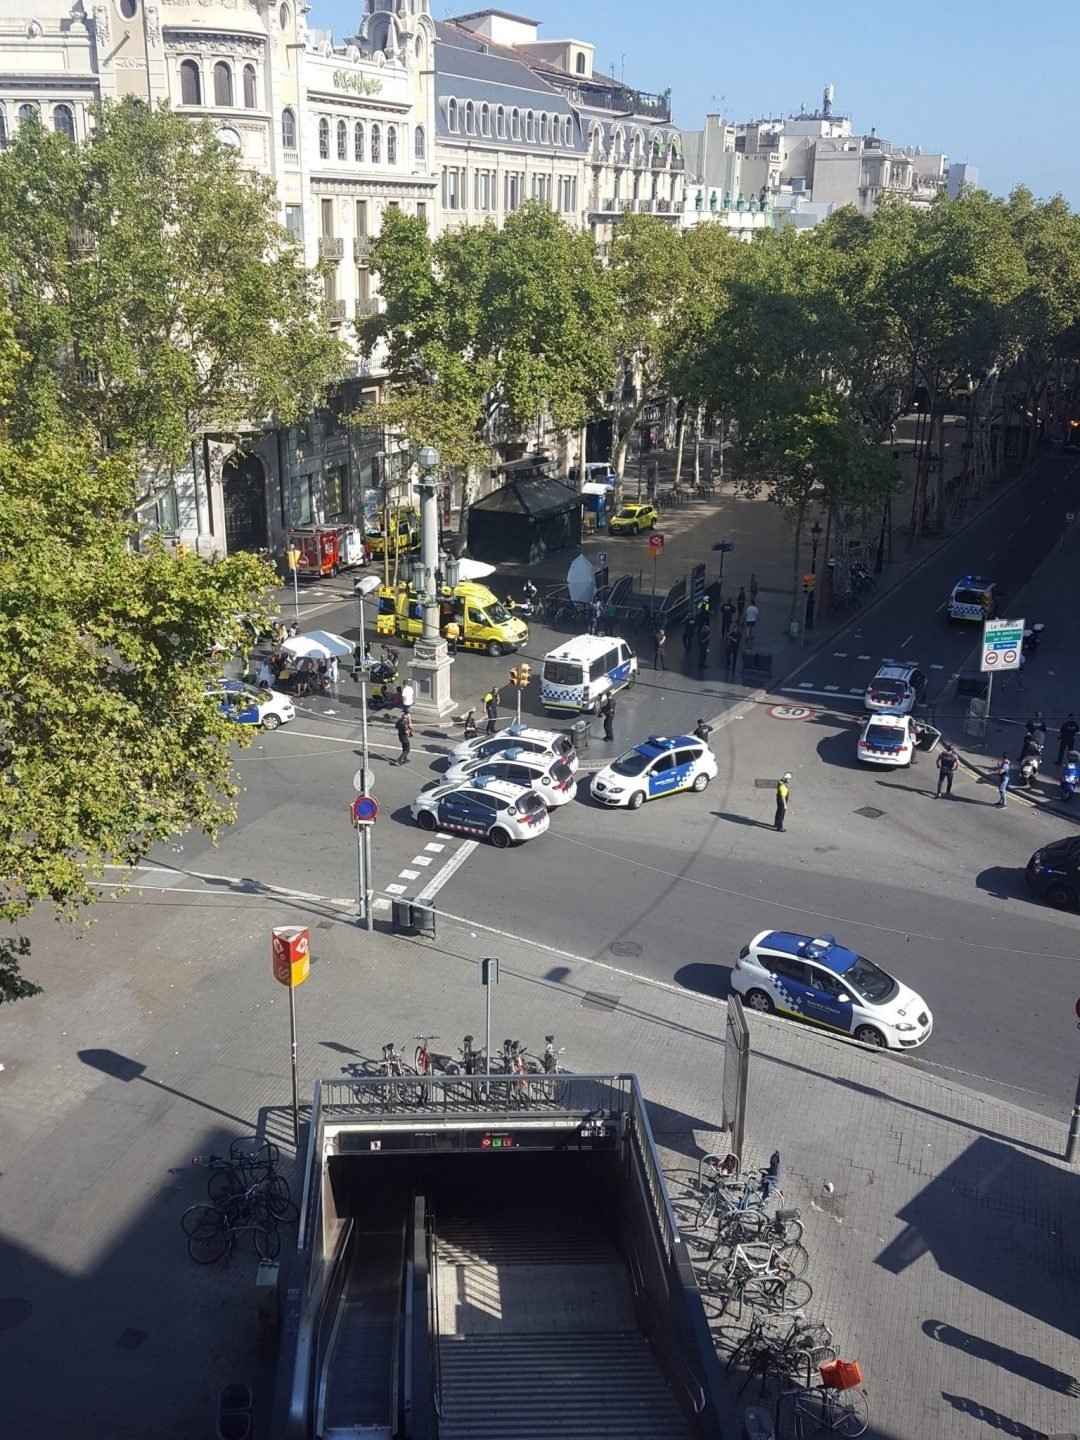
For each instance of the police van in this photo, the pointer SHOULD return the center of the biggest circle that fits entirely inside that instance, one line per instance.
(972, 598)
(580, 673)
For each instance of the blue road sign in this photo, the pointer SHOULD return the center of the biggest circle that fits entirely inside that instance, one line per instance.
(364, 810)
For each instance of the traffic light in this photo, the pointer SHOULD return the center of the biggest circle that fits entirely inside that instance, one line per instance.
(524, 675)
(514, 678)
(808, 583)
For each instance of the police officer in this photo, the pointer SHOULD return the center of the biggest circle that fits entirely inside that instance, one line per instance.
(781, 800)
(491, 710)
(607, 710)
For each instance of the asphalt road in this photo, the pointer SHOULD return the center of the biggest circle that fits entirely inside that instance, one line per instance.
(932, 890)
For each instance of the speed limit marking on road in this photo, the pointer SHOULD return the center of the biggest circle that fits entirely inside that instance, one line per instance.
(791, 712)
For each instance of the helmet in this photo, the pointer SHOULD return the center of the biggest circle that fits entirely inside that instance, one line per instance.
(786, 775)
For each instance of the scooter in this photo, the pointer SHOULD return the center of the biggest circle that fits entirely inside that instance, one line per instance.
(1070, 774)
(1030, 762)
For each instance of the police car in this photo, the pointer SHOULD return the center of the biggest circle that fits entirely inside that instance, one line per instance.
(827, 985)
(886, 740)
(552, 778)
(517, 737)
(972, 598)
(248, 706)
(663, 765)
(895, 689)
(483, 809)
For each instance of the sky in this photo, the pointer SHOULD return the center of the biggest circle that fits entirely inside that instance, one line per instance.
(991, 82)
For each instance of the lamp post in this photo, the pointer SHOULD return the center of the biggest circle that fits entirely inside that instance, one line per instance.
(430, 665)
(815, 541)
(367, 585)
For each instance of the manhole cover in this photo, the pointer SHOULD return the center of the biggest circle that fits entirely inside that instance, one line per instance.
(869, 813)
(594, 1000)
(132, 1339)
(14, 1311)
(626, 947)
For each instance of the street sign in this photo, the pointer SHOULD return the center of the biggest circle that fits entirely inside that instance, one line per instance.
(726, 546)
(601, 560)
(291, 952)
(292, 559)
(364, 781)
(364, 808)
(1002, 644)
(656, 543)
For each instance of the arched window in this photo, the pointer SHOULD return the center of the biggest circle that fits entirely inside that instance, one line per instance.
(342, 140)
(391, 144)
(376, 144)
(288, 130)
(515, 124)
(324, 139)
(3, 128)
(598, 144)
(223, 92)
(579, 63)
(128, 9)
(358, 143)
(470, 117)
(283, 17)
(250, 97)
(63, 119)
(568, 131)
(451, 114)
(27, 112)
(190, 83)
(528, 125)
(500, 122)
(485, 120)
(418, 142)
(543, 128)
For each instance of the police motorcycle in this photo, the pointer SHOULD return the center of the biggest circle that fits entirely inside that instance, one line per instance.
(1030, 760)
(1070, 774)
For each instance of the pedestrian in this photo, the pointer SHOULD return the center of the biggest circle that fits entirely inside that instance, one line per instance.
(294, 629)
(659, 641)
(491, 710)
(703, 731)
(918, 735)
(704, 635)
(688, 635)
(408, 696)
(404, 735)
(1003, 770)
(753, 588)
(332, 672)
(947, 764)
(611, 614)
(781, 800)
(530, 592)
(731, 648)
(727, 615)
(1067, 736)
(750, 619)
(596, 611)
(470, 725)
(607, 710)
(266, 676)
(740, 602)
(453, 635)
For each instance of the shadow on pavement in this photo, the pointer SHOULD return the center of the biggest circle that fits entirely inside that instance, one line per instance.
(839, 749)
(996, 1219)
(712, 980)
(1004, 882)
(995, 1420)
(1004, 1358)
(743, 820)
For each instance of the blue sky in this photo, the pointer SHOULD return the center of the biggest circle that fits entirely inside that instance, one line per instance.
(987, 81)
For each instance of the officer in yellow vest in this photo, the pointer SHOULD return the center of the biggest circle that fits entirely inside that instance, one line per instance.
(781, 800)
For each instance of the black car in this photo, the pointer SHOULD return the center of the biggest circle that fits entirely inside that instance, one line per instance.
(1054, 873)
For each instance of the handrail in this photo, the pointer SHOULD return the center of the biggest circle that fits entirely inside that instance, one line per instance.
(673, 1357)
(434, 1319)
(305, 1199)
(399, 1318)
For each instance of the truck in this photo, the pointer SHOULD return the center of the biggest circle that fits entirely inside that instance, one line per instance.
(397, 531)
(482, 621)
(326, 549)
(482, 1257)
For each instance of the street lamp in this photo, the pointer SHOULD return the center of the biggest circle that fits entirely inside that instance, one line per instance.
(430, 665)
(815, 540)
(366, 585)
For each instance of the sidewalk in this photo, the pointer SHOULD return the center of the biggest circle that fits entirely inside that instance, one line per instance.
(938, 1221)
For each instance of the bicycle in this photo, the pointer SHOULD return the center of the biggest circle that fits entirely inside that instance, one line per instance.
(212, 1234)
(844, 1410)
(765, 1281)
(552, 1091)
(805, 1344)
(422, 1059)
(394, 1067)
(233, 1174)
(783, 1230)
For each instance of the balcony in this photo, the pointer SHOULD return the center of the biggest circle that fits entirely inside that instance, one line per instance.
(366, 308)
(678, 163)
(336, 311)
(331, 247)
(644, 207)
(626, 206)
(361, 247)
(658, 162)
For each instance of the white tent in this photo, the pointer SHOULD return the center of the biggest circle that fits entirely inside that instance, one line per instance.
(317, 645)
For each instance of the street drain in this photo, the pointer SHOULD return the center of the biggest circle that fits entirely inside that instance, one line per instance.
(869, 813)
(132, 1339)
(595, 1000)
(626, 947)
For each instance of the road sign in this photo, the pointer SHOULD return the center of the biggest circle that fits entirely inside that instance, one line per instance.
(291, 952)
(1002, 644)
(364, 781)
(726, 546)
(656, 543)
(601, 560)
(364, 810)
(790, 712)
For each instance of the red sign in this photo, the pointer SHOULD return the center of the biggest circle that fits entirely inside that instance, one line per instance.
(364, 809)
(656, 543)
(291, 948)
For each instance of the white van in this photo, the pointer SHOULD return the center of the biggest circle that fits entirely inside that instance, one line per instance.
(580, 673)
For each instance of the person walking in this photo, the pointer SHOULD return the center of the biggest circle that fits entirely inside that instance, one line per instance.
(332, 672)
(596, 611)
(404, 735)
(1067, 736)
(1003, 770)
(659, 641)
(611, 614)
(753, 588)
(491, 710)
(781, 800)
(731, 650)
(740, 603)
(408, 696)
(948, 762)
(704, 635)
(727, 615)
(703, 731)
(750, 619)
(607, 710)
(688, 635)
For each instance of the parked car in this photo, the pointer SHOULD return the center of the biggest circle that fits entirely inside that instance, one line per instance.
(632, 519)
(1053, 872)
(483, 809)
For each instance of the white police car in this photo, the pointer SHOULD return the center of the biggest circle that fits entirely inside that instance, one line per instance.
(517, 737)
(972, 598)
(551, 777)
(895, 689)
(824, 983)
(663, 765)
(483, 809)
(248, 706)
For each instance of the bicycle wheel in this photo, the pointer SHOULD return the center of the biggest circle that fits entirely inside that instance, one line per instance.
(795, 1293)
(796, 1257)
(845, 1411)
(783, 1231)
(209, 1242)
(267, 1241)
(196, 1215)
(706, 1210)
(224, 1184)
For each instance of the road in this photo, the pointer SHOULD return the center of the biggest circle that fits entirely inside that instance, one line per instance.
(932, 890)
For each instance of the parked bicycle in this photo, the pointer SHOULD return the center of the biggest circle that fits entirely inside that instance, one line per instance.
(757, 1276)
(423, 1060)
(214, 1232)
(798, 1349)
(839, 1403)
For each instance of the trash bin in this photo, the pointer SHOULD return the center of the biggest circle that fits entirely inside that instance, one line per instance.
(423, 917)
(401, 916)
(578, 735)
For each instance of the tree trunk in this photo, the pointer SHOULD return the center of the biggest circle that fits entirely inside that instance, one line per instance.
(796, 573)
(470, 490)
(680, 442)
(697, 446)
(938, 508)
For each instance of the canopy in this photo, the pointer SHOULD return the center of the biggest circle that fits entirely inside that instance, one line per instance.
(317, 645)
(474, 570)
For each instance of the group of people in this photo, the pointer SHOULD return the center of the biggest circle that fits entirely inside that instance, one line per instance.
(736, 621)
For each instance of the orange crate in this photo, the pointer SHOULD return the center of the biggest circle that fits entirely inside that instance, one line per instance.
(841, 1374)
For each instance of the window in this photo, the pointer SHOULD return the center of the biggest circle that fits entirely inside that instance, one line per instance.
(597, 144)
(786, 968)
(324, 139)
(528, 125)
(579, 63)
(363, 284)
(336, 485)
(391, 144)
(825, 981)
(292, 220)
(421, 210)
(326, 216)
(330, 286)
(451, 114)
(450, 189)
(303, 498)
(376, 144)
(222, 84)
(283, 17)
(64, 120)
(3, 128)
(342, 140)
(544, 128)
(361, 217)
(515, 124)
(418, 142)
(513, 191)
(485, 120)
(250, 100)
(190, 84)
(500, 122)
(127, 9)
(483, 190)
(288, 130)
(470, 118)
